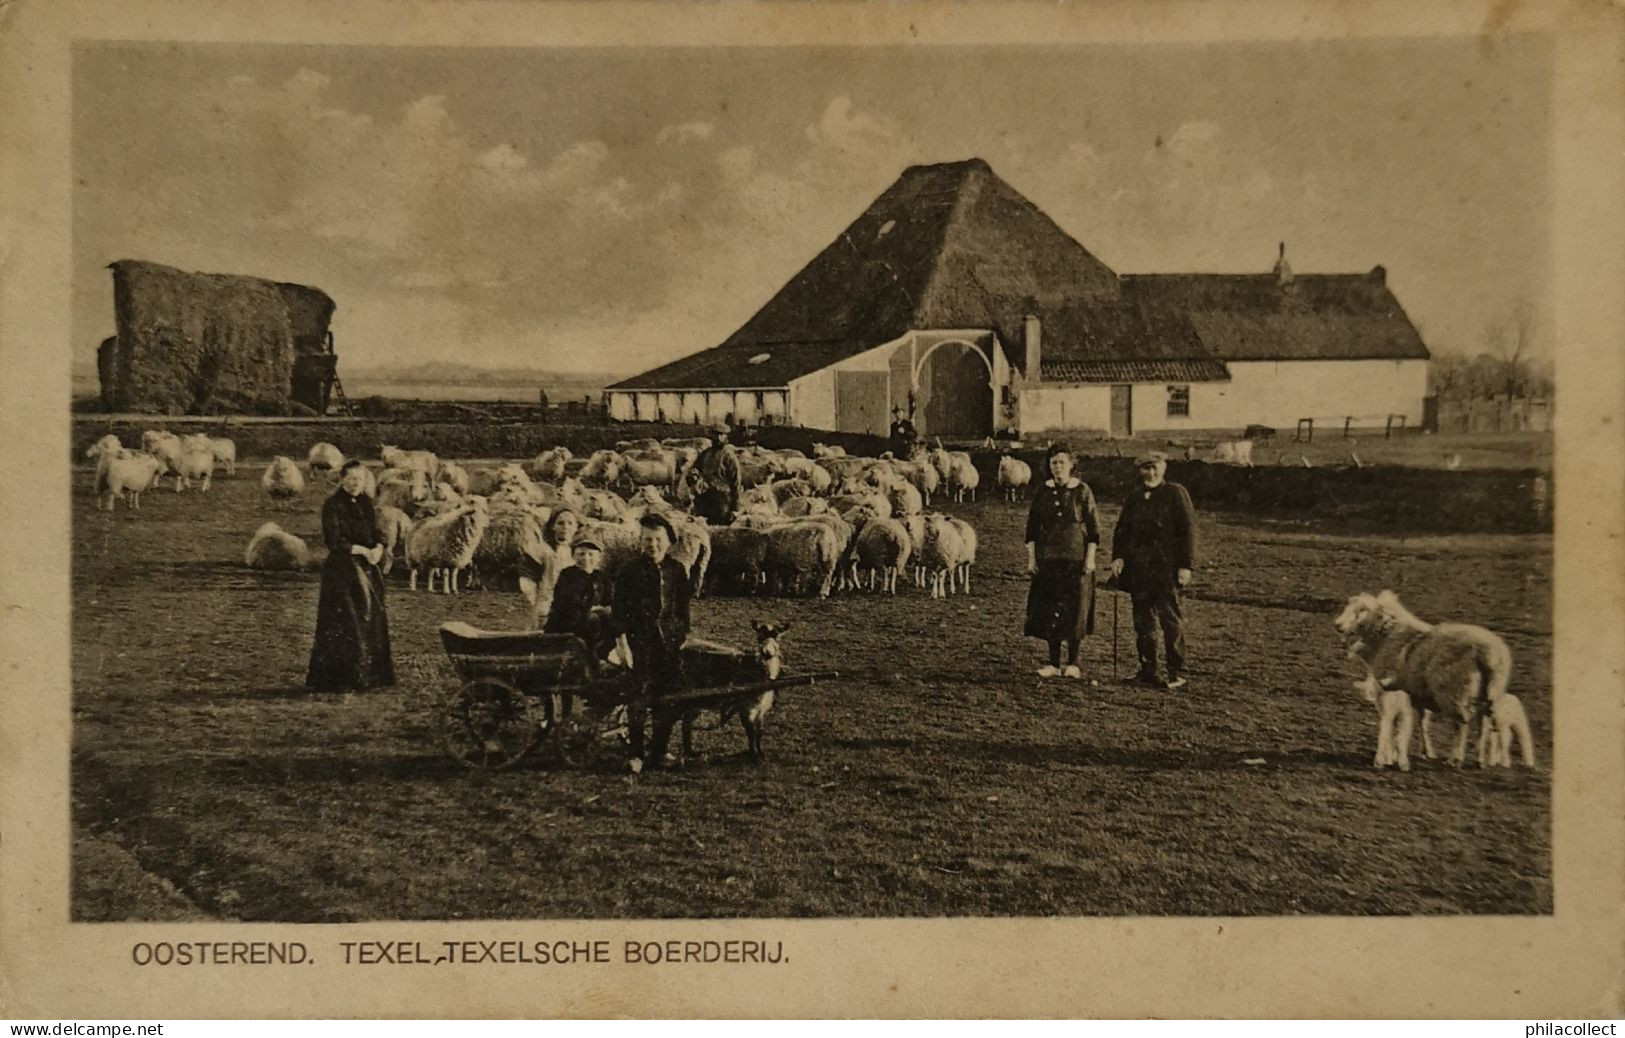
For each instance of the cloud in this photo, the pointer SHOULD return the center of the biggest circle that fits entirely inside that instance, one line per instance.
(680, 133)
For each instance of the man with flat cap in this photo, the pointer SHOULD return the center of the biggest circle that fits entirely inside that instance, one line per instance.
(1153, 552)
(714, 480)
(651, 616)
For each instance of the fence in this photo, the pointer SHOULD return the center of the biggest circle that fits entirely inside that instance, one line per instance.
(1524, 414)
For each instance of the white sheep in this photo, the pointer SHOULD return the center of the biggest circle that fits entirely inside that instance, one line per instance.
(967, 538)
(603, 469)
(444, 545)
(800, 507)
(801, 549)
(194, 466)
(942, 554)
(125, 472)
(1014, 477)
(224, 451)
(394, 528)
(963, 477)
(324, 458)
(272, 547)
(1234, 452)
(454, 476)
(166, 447)
(406, 489)
(424, 461)
(904, 497)
(883, 547)
(548, 466)
(513, 535)
(108, 444)
(282, 480)
(821, 450)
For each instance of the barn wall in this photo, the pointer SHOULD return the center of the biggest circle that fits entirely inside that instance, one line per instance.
(1278, 393)
(622, 407)
(775, 404)
(1064, 406)
(812, 400)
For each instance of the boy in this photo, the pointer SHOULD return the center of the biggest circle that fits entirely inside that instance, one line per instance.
(651, 617)
(581, 599)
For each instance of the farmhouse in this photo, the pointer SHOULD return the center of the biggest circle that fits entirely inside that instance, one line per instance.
(215, 344)
(957, 299)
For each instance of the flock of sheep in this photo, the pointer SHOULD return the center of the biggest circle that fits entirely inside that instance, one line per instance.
(804, 526)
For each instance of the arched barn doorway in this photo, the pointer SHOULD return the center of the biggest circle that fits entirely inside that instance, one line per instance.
(955, 394)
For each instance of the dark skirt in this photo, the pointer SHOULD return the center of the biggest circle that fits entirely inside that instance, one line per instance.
(352, 628)
(1060, 602)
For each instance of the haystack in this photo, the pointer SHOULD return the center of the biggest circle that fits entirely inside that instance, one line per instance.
(207, 343)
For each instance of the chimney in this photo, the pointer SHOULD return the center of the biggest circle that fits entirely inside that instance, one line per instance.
(1379, 274)
(1032, 337)
(1283, 270)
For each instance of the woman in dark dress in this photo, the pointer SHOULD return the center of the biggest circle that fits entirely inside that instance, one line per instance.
(1063, 535)
(352, 628)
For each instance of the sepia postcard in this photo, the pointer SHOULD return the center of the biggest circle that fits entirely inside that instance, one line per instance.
(761, 509)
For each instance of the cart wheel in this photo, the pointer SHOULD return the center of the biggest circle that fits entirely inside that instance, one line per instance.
(487, 724)
(576, 737)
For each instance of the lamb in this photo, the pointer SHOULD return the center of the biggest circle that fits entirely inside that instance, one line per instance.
(445, 544)
(194, 466)
(963, 478)
(943, 554)
(282, 480)
(274, 548)
(883, 548)
(394, 528)
(1014, 477)
(125, 472)
(424, 461)
(1234, 452)
(324, 458)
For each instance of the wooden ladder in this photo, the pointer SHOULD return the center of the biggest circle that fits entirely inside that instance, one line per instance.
(338, 391)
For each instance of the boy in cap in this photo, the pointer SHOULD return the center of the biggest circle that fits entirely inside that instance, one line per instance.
(651, 617)
(581, 599)
(1153, 552)
(715, 480)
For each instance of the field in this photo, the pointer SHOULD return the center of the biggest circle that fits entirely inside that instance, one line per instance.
(939, 776)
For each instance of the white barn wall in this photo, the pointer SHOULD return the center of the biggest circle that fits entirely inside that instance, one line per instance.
(621, 407)
(1278, 393)
(1075, 405)
(812, 400)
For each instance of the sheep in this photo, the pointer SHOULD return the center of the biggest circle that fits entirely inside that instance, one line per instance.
(282, 480)
(821, 450)
(151, 438)
(1014, 477)
(603, 469)
(922, 474)
(757, 467)
(883, 547)
(512, 536)
(963, 477)
(759, 501)
(786, 490)
(272, 547)
(548, 466)
(225, 453)
(454, 476)
(424, 461)
(915, 524)
(942, 554)
(967, 537)
(445, 544)
(646, 443)
(126, 472)
(941, 461)
(877, 503)
(324, 458)
(1234, 452)
(738, 554)
(904, 498)
(602, 504)
(166, 447)
(108, 444)
(641, 468)
(406, 489)
(394, 528)
(801, 507)
(803, 548)
(693, 443)
(194, 466)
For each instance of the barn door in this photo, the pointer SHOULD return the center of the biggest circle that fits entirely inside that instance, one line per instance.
(956, 399)
(1122, 411)
(860, 402)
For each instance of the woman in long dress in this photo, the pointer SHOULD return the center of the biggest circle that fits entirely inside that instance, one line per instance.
(352, 626)
(1063, 536)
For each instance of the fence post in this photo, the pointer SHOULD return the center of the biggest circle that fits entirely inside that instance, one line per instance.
(1348, 420)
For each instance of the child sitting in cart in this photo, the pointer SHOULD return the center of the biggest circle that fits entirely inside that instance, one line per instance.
(581, 600)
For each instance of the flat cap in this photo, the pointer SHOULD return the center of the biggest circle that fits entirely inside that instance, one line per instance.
(1151, 458)
(656, 521)
(586, 542)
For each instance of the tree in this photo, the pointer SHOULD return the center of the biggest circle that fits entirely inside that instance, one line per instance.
(1511, 341)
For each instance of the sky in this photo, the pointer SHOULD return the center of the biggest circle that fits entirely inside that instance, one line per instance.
(609, 209)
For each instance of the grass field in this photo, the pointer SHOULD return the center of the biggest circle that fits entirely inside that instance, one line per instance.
(938, 777)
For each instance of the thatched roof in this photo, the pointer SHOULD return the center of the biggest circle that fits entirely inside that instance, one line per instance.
(953, 246)
(1309, 317)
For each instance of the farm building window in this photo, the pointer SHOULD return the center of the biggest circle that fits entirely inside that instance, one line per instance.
(1179, 401)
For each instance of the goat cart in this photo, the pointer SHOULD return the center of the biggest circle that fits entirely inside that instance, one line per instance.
(524, 689)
